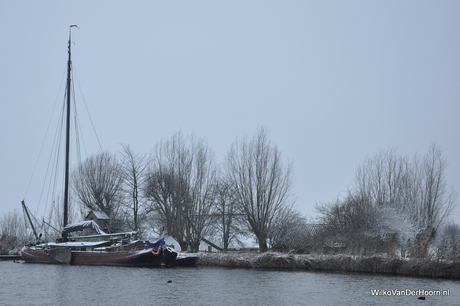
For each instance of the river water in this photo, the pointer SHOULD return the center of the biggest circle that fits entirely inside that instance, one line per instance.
(38, 284)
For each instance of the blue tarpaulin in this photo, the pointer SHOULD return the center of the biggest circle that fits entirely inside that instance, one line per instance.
(157, 244)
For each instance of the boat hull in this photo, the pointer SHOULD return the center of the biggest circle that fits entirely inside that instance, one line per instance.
(117, 258)
(38, 255)
(132, 258)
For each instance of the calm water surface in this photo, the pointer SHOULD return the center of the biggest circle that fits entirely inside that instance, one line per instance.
(37, 284)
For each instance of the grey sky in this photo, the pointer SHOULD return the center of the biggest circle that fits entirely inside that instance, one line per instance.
(333, 81)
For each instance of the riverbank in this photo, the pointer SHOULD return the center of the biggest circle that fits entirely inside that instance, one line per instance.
(346, 263)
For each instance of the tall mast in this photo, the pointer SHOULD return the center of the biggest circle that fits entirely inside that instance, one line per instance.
(67, 144)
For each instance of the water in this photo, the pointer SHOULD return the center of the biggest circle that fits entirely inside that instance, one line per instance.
(37, 284)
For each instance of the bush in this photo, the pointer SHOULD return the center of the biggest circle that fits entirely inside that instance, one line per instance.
(13, 234)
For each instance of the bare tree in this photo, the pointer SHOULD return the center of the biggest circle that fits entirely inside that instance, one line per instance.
(417, 187)
(229, 219)
(290, 233)
(166, 187)
(437, 202)
(261, 182)
(166, 194)
(393, 195)
(354, 219)
(13, 234)
(179, 187)
(201, 181)
(97, 185)
(449, 242)
(384, 178)
(133, 172)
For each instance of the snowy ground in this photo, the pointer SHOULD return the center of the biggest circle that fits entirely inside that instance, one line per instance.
(348, 263)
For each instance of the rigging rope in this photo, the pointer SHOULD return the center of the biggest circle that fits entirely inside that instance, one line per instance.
(52, 177)
(44, 139)
(87, 110)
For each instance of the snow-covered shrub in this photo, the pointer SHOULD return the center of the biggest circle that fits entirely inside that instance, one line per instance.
(448, 242)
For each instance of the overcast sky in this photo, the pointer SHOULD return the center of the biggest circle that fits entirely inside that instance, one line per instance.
(333, 81)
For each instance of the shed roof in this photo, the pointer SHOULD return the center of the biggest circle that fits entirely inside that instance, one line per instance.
(100, 215)
(212, 244)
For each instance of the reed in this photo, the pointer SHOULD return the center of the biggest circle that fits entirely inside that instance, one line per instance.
(347, 263)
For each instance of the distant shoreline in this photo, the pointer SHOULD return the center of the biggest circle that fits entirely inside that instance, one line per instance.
(331, 263)
(344, 263)
(10, 257)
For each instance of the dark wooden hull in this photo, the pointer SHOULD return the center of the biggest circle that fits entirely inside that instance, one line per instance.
(37, 255)
(132, 258)
(117, 258)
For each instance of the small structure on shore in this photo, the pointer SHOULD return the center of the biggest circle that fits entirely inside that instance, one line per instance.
(208, 246)
(100, 218)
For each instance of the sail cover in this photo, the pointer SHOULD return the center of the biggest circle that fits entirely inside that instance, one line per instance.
(83, 225)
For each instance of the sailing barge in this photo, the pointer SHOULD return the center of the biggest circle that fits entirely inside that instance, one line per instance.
(116, 249)
(112, 249)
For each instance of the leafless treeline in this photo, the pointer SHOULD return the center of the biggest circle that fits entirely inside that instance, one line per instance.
(398, 204)
(181, 186)
(13, 233)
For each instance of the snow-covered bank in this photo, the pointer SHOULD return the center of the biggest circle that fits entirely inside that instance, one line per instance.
(348, 263)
